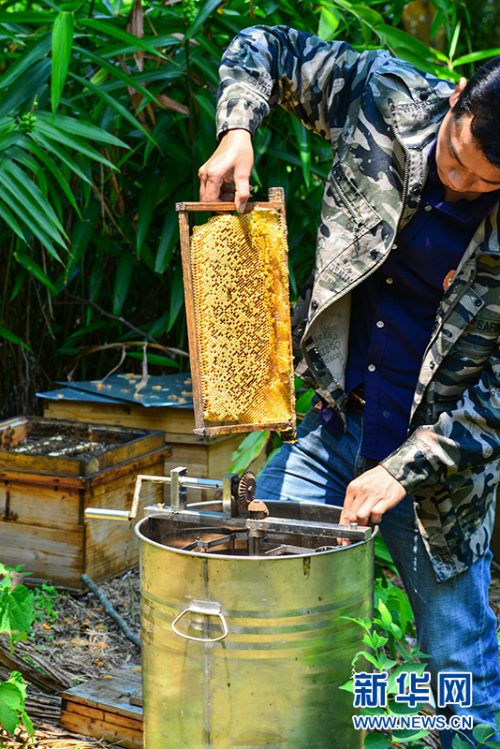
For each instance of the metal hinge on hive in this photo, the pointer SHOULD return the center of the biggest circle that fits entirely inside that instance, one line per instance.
(235, 269)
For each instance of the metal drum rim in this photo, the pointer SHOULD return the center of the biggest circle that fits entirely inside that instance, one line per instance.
(233, 557)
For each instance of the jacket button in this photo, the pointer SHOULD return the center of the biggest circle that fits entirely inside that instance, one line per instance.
(314, 305)
(424, 95)
(374, 254)
(415, 189)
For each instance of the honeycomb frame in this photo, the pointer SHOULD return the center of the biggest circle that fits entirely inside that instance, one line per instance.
(240, 350)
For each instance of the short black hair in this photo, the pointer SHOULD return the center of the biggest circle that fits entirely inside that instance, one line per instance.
(481, 99)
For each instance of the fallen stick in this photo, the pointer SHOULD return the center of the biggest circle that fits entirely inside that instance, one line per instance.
(110, 611)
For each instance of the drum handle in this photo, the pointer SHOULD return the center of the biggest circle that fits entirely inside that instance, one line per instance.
(208, 608)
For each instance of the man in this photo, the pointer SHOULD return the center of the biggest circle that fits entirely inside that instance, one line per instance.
(399, 330)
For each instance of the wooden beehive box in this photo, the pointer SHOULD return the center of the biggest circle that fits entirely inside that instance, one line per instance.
(50, 472)
(203, 457)
(104, 709)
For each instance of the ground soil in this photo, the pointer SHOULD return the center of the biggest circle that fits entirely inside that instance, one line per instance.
(84, 643)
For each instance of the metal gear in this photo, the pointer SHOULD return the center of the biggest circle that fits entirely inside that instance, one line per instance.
(245, 491)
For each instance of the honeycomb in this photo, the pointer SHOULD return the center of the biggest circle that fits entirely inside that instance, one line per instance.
(242, 318)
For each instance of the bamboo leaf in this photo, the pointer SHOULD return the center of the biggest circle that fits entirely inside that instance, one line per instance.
(157, 327)
(60, 153)
(58, 135)
(147, 204)
(29, 86)
(163, 361)
(54, 170)
(62, 41)
(13, 338)
(454, 40)
(304, 402)
(34, 269)
(84, 130)
(37, 211)
(10, 220)
(23, 213)
(25, 61)
(302, 139)
(171, 72)
(18, 284)
(476, 56)
(50, 196)
(167, 243)
(135, 42)
(122, 282)
(329, 20)
(49, 221)
(248, 450)
(176, 297)
(115, 105)
(8, 137)
(117, 72)
(400, 40)
(82, 234)
(205, 10)
(41, 17)
(113, 51)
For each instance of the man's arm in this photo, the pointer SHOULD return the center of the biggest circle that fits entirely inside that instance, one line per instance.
(263, 67)
(464, 436)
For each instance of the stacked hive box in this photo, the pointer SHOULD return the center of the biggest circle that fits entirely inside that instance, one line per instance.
(50, 472)
(165, 404)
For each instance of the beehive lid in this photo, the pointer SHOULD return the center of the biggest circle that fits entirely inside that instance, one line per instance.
(71, 448)
(172, 391)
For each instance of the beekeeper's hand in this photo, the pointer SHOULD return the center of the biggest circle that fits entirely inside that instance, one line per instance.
(226, 174)
(368, 496)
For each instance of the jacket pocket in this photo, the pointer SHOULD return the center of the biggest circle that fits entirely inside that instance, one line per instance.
(348, 223)
(351, 201)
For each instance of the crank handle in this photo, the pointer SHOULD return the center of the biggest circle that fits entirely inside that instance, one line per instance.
(126, 515)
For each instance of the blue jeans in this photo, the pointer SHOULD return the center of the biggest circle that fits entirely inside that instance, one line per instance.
(455, 624)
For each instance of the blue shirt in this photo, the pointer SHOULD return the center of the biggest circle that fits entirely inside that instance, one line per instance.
(393, 312)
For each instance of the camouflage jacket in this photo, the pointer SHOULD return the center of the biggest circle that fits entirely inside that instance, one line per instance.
(381, 116)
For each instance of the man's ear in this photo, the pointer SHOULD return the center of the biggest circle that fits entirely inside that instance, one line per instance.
(458, 91)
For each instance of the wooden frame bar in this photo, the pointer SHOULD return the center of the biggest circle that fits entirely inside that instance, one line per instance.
(221, 206)
(243, 428)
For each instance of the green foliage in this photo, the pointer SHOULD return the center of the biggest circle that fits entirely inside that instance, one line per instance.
(16, 606)
(388, 649)
(388, 638)
(16, 618)
(62, 42)
(383, 558)
(483, 734)
(19, 608)
(45, 603)
(249, 449)
(106, 114)
(12, 704)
